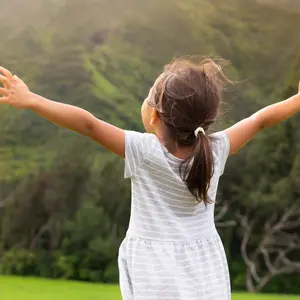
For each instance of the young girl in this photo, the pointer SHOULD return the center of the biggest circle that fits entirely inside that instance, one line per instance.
(172, 249)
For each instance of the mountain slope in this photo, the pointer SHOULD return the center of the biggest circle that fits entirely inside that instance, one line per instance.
(291, 5)
(104, 56)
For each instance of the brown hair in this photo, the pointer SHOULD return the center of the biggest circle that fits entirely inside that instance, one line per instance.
(187, 96)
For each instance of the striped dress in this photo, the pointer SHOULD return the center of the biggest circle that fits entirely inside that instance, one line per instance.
(172, 249)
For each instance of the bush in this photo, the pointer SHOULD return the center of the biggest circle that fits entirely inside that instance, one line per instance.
(111, 273)
(18, 262)
(65, 266)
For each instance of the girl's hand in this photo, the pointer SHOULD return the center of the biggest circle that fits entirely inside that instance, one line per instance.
(15, 92)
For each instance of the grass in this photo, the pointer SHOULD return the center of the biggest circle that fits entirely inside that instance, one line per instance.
(18, 288)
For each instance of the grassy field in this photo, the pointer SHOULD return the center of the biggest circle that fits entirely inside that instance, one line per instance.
(15, 288)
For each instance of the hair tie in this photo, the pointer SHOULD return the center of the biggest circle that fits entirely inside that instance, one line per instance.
(199, 129)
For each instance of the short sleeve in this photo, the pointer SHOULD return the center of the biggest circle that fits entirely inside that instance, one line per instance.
(136, 149)
(221, 148)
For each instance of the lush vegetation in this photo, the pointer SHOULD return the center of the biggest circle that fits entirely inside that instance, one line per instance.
(61, 215)
(37, 289)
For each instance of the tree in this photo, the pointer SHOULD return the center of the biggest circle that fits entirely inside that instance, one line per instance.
(270, 236)
(269, 248)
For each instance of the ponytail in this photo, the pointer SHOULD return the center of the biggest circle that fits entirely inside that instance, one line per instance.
(197, 170)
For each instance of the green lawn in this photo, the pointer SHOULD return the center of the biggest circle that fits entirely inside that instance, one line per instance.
(15, 288)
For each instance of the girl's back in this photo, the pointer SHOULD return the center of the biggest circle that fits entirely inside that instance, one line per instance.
(172, 249)
(162, 206)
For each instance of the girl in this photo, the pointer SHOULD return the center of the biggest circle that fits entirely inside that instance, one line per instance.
(172, 249)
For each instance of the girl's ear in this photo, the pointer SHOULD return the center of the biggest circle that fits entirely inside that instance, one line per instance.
(154, 116)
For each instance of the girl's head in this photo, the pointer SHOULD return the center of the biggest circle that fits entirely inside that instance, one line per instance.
(187, 96)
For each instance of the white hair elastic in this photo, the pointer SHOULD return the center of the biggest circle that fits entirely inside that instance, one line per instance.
(199, 129)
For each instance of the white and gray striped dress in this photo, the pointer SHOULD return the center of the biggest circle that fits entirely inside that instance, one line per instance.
(172, 249)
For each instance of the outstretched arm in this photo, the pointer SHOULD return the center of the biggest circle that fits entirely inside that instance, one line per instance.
(245, 130)
(16, 93)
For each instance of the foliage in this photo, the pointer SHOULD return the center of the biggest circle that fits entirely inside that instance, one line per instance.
(18, 262)
(64, 206)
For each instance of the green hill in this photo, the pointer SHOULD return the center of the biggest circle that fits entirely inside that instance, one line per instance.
(57, 190)
(283, 4)
(104, 56)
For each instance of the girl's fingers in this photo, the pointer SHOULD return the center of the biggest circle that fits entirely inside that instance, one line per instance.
(17, 79)
(6, 73)
(4, 81)
(3, 91)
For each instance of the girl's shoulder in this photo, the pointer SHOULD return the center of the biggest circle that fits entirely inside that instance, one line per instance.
(220, 141)
(220, 147)
(138, 146)
(140, 141)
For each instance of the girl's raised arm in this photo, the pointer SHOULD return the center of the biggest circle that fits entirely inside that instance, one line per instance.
(245, 130)
(16, 93)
